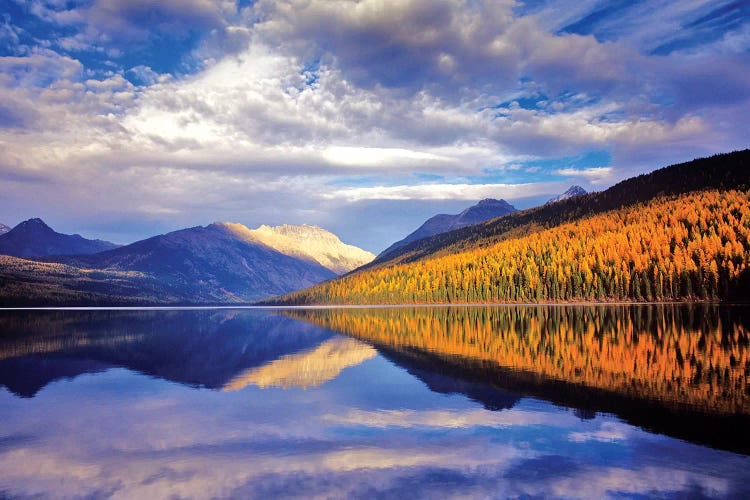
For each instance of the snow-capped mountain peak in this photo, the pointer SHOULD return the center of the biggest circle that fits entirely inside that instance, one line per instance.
(571, 192)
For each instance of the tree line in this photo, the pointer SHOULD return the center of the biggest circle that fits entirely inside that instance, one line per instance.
(689, 247)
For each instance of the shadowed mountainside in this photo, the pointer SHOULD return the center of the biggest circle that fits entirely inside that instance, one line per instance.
(484, 210)
(199, 265)
(34, 238)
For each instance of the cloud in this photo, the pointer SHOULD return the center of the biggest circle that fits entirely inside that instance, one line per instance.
(287, 100)
(108, 21)
(595, 175)
(363, 156)
(447, 47)
(442, 191)
(399, 43)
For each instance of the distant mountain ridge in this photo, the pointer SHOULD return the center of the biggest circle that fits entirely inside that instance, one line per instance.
(571, 192)
(522, 256)
(216, 264)
(306, 242)
(34, 238)
(209, 264)
(484, 210)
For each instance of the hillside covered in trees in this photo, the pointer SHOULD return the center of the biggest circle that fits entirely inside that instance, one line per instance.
(721, 172)
(693, 246)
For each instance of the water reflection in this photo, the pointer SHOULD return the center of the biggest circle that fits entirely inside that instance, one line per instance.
(198, 348)
(692, 356)
(248, 404)
(677, 369)
(307, 369)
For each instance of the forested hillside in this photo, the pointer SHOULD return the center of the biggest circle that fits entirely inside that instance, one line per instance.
(722, 172)
(688, 247)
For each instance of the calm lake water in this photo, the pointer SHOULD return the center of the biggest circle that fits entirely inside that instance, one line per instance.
(591, 402)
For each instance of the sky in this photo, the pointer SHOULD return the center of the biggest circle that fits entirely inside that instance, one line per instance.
(122, 120)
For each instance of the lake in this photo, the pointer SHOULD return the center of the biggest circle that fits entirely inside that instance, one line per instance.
(416, 402)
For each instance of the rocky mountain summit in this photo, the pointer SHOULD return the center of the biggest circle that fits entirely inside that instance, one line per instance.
(484, 210)
(571, 192)
(306, 242)
(34, 238)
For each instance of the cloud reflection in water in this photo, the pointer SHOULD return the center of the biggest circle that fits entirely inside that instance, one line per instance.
(377, 430)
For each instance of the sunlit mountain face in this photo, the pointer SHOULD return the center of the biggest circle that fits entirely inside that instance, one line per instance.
(306, 242)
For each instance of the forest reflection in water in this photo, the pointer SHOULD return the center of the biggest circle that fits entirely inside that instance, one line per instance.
(629, 359)
(445, 401)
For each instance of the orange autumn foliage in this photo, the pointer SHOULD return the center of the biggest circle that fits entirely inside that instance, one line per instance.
(691, 247)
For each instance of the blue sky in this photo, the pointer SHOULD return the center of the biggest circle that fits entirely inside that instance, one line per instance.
(126, 119)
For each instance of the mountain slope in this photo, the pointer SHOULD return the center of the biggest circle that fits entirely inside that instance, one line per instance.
(4, 229)
(34, 238)
(484, 210)
(571, 192)
(27, 283)
(210, 264)
(306, 242)
(724, 171)
(694, 246)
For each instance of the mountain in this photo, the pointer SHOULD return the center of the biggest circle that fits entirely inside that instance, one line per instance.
(678, 233)
(724, 171)
(211, 264)
(4, 229)
(306, 242)
(34, 238)
(28, 283)
(484, 210)
(571, 192)
(216, 264)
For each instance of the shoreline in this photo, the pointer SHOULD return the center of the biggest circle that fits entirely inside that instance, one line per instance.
(370, 306)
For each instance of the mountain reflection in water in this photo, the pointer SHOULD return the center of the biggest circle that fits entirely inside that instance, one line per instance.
(447, 401)
(687, 356)
(677, 369)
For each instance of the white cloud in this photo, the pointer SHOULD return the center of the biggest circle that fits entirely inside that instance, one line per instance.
(313, 92)
(443, 191)
(385, 157)
(593, 174)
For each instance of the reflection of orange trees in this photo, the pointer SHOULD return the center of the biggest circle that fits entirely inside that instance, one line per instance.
(694, 246)
(677, 354)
